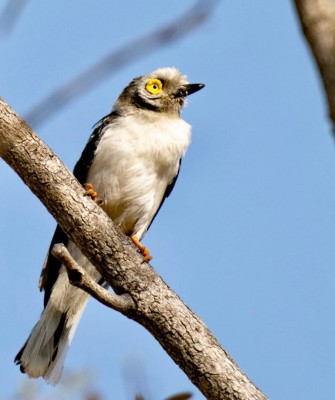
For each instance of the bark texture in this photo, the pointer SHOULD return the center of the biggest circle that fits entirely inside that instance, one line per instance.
(317, 18)
(181, 333)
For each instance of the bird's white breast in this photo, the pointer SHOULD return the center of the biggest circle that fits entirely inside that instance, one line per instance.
(134, 162)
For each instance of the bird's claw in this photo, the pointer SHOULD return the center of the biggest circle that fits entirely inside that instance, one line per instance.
(143, 250)
(89, 191)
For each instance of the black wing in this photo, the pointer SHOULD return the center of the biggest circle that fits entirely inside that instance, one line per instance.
(167, 193)
(85, 161)
(51, 265)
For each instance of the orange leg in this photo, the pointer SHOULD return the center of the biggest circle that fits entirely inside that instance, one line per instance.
(91, 192)
(144, 251)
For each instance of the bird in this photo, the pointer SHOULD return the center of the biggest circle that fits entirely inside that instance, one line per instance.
(131, 161)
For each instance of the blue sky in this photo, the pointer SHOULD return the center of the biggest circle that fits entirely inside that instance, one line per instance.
(247, 237)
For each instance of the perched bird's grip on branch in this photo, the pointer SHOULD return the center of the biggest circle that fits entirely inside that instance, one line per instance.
(179, 331)
(131, 161)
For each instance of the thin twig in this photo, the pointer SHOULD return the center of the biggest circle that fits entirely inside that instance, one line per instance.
(180, 396)
(79, 278)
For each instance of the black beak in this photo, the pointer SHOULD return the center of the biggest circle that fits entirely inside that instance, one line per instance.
(189, 89)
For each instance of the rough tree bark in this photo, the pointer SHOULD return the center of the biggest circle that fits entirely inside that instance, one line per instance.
(317, 18)
(143, 295)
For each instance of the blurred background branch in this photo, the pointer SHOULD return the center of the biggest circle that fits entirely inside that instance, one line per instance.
(317, 20)
(10, 15)
(96, 73)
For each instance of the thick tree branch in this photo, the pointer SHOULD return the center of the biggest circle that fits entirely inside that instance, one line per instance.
(317, 19)
(180, 332)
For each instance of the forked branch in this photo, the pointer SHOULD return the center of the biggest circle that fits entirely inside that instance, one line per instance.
(80, 278)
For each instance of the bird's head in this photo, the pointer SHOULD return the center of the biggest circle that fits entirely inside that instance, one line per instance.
(163, 90)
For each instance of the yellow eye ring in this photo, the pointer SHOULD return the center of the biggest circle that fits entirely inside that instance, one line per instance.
(154, 86)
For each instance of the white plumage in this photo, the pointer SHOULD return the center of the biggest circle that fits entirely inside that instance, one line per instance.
(134, 163)
(132, 159)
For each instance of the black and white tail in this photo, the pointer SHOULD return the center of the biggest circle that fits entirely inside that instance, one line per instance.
(44, 352)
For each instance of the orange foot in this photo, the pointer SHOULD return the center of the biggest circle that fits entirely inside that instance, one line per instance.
(91, 192)
(144, 251)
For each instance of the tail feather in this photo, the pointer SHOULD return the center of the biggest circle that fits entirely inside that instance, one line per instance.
(44, 352)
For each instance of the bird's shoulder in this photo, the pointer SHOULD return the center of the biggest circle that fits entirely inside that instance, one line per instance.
(85, 161)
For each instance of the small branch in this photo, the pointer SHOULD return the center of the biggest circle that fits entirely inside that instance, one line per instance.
(79, 278)
(180, 396)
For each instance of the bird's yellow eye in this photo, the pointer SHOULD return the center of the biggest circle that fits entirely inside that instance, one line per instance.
(154, 86)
